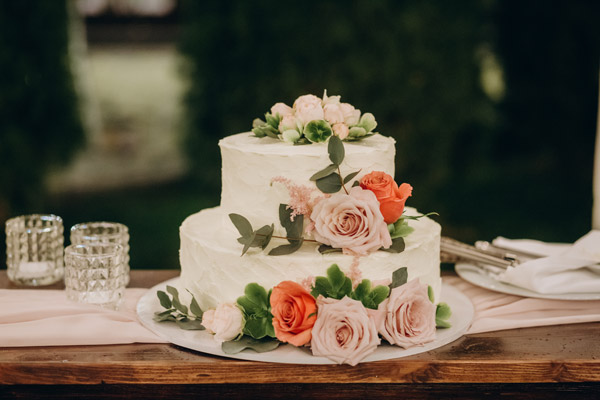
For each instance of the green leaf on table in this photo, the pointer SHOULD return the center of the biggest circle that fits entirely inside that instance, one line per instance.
(164, 299)
(190, 324)
(176, 303)
(247, 342)
(397, 246)
(442, 315)
(336, 151)
(399, 277)
(331, 183)
(328, 170)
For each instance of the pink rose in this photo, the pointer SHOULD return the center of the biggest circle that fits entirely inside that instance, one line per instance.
(333, 113)
(289, 122)
(351, 115)
(407, 317)
(282, 109)
(351, 222)
(308, 108)
(343, 331)
(340, 130)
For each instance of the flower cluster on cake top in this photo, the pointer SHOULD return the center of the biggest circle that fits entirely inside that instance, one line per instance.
(312, 119)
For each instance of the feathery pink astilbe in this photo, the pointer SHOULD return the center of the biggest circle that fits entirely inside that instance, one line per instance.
(302, 197)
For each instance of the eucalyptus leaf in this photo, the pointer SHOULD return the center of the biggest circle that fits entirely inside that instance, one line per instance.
(336, 151)
(349, 177)
(242, 224)
(249, 242)
(330, 184)
(356, 183)
(399, 277)
(415, 217)
(195, 308)
(397, 246)
(190, 324)
(247, 342)
(160, 317)
(324, 172)
(430, 294)
(326, 249)
(263, 236)
(292, 228)
(286, 249)
(164, 299)
(176, 302)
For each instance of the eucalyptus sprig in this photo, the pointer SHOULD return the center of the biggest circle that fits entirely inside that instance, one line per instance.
(177, 312)
(329, 179)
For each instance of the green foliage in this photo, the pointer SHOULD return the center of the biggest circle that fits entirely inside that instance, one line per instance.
(399, 277)
(257, 311)
(293, 230)
(177, 312)
(250, 237)
(370, 297)
(39, 122)
(317, 131)
(246, 342)
(442, 315)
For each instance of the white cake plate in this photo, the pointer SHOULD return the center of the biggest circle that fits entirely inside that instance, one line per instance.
(479, 277)
(462, 315)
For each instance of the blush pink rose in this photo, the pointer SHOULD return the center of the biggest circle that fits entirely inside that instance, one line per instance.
(225, 322)
(341, 130)
(351, 114)
(333, 113)
(407, 317)
(352, 222)
(308, 108)
(294, 313)
(343, 332)
(282, 109)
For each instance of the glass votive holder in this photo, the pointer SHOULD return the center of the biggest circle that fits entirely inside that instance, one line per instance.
(34, 249)
(104, 232)
(94, 274)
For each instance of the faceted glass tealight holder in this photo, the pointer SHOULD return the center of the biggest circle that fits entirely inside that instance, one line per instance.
(103, 232)
(34, 249)
(94, 274)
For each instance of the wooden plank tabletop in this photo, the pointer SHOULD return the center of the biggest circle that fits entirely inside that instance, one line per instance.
(566, 357)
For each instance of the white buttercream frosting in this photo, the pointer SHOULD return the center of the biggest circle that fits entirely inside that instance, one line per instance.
(212, 267)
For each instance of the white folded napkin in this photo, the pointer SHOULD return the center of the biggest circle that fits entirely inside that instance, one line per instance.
(564, 269)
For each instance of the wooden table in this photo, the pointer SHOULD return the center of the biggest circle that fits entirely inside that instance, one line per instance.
(545, 362)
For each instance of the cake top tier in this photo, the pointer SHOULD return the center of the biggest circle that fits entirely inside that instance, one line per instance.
(312, 119)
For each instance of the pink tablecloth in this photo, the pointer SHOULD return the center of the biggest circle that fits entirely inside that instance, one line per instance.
(46, 318)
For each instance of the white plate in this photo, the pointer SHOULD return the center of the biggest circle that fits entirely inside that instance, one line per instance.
(462, 315)
(478, 277)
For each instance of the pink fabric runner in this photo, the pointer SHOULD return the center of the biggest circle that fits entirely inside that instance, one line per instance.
(40, 317)
(34, 317)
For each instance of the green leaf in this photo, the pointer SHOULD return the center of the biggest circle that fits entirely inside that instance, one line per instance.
(190, 324)
(242, 224)
(165, 301)
(325, 249)
(322, 287)
(257, 295)
(259, 327)
(362, 290)
(379, 294)
(356, 133)
(349, 177)
(443, 311)
(263, 236)
(317, 131)
(330, 184)
(442, 324)
(397, 246)
(356, 183)
(247, 342)
(370, 298)
(195, 308)
(430, 294)
(324, 172)
(176, 303)
(164, 316)
(336, 150)
(415, 217)
(336, 277)
(285, 249)
(273, 120)
(292, 228)
(249, 240)
(400, 228)
(399, 277)
(258, 123)
(367, 121)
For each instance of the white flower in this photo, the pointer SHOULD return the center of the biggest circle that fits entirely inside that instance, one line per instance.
(225, 322)
(333, 113)
(308, 108)
(330, 99)
(289, 122)
(282, 109)
(351, 115)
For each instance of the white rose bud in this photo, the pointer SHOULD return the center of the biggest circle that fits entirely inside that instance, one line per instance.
(333, 113)
(351, 115)
(308, 108)
(289, 122)
(341, 130)
(225, 322)
(282, 109)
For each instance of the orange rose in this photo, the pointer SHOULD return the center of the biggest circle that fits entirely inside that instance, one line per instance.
(294, 313)
(391, 197)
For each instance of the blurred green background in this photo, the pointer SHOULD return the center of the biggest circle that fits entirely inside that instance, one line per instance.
(113, 110)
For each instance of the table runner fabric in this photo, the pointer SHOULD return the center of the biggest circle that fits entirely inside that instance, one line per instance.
(34, 317)
(40, 317)
(498, 311)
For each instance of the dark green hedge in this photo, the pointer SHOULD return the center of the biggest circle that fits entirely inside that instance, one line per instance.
(39, 119)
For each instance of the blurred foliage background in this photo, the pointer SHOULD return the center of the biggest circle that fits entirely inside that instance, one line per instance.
(492, 103)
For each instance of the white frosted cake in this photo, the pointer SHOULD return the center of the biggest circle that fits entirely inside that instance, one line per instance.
(312, 244)
(212, 268)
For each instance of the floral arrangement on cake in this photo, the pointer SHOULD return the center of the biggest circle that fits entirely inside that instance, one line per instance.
(335, 319)
(312, 119)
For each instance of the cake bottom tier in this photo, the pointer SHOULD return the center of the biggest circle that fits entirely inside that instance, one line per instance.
(215, 272)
